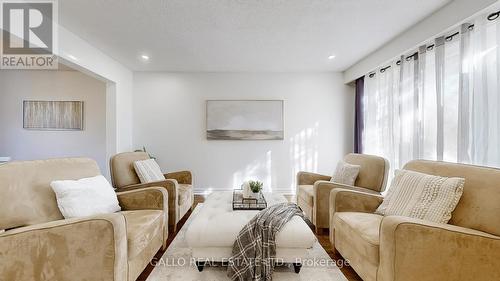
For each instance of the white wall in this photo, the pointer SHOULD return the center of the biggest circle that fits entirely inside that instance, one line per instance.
(449, 16)
(86, 58)
(169, 119)
(21, 144)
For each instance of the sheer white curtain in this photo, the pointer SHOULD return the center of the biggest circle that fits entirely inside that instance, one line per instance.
(483, 72)
(440, 103)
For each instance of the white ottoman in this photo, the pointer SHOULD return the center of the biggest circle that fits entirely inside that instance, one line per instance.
(213, 231)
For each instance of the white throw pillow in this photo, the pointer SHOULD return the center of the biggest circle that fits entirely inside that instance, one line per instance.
(148, 171)
(85, 197)
(345, 173)
(422, 196)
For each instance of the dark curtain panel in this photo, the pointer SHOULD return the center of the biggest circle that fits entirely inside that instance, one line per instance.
(358, 119)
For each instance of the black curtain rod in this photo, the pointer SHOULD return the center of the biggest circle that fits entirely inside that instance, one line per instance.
(382, 70)
(449, 38)
(491, 17)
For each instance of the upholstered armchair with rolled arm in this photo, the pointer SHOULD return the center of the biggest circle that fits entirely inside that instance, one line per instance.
(397, 248)
(39, 244)
(178, 184)
(313, 190)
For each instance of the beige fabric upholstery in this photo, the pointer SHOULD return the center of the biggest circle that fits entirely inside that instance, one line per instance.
(373, 172)
(26, 197)
(479, 206)
(178, 184)
(91, 248)
(142, 227)
(151, 198)
(357, 238)
(306, 193)
(346, 200)
(416, 250)
(185, 194)
(122, 168)
(313, 190)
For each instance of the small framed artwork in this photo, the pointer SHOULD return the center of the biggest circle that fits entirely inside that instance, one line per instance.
(53, 115)
(245, 119)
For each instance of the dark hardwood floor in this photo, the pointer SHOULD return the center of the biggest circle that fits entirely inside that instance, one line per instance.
(323, 239)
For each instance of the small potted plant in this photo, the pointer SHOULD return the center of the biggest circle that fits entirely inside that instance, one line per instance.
(252, 188)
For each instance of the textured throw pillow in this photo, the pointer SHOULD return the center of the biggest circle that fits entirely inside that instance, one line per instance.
(148, 171)
(345, 173)
(85, 197)
(422, 196)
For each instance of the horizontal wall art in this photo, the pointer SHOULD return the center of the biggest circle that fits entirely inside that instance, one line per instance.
(245, 119)
(53, 115)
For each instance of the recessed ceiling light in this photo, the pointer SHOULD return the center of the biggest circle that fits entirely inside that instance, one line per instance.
(331, 57)
(145, 57)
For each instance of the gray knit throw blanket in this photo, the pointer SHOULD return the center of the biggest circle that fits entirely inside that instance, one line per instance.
(254, 251)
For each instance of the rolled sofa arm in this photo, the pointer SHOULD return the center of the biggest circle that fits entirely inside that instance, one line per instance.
(306, 178)
(347, 200)
(93, 248)
(172, 188)
(182, 177)
(413, 249)
(152, 198)
(321, 190)
(148, 198)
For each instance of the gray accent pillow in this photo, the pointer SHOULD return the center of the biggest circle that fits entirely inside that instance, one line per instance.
(345, 173)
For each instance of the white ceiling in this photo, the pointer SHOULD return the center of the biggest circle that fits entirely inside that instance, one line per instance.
(241, 35)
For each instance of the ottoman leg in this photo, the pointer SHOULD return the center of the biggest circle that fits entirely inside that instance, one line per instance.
(200, 265)
(297, 266)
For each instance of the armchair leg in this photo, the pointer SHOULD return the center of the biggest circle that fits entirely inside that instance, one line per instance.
(319, 231)
(297, 267)
(200, 265)
(172, 228)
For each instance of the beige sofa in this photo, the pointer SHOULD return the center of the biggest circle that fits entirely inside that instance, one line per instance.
(313, 190)
(400, 248)
(39, 244)
(178, 184)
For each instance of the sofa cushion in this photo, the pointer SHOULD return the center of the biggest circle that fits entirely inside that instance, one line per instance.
(306, 193)
(362, 232)
(185, 193)
(142, 227)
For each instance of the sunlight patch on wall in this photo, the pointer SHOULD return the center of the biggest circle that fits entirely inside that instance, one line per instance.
(259, 169)
(304, 152)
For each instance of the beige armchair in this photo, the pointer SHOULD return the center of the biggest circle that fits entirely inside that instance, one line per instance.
(178, 184)
(394, 248)
(313, 190)
(39, 244)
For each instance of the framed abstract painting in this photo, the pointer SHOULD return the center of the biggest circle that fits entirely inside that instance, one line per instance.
(53, 115)
(245, 119)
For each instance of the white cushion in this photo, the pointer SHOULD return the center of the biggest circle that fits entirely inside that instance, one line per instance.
(217, 225)
(345, 173)
(148, 171)
(85, 197)
(422, 196)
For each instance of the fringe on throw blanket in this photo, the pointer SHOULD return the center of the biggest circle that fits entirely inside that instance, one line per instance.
(254, 251)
